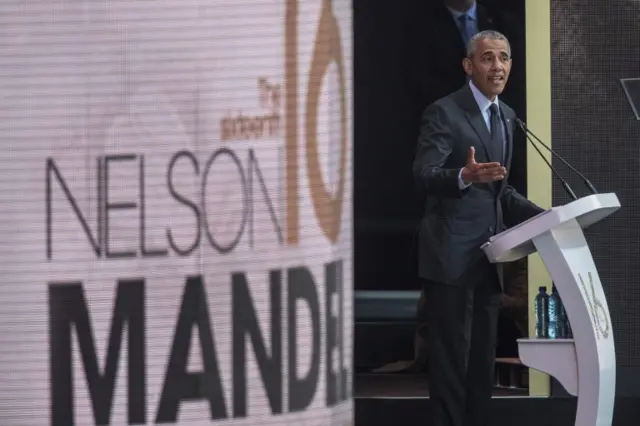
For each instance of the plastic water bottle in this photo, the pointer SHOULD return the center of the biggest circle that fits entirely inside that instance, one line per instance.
(541, 307)
(555, 328)
(563, 325)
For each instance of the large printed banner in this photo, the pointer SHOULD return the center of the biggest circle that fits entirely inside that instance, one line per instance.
(175, 212)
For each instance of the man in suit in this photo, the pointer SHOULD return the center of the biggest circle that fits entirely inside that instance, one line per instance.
(437, 32)
(462, 164)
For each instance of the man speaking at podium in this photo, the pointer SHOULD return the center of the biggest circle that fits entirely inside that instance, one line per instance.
(462, 165)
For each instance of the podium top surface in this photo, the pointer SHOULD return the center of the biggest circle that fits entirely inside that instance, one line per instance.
(516, 242)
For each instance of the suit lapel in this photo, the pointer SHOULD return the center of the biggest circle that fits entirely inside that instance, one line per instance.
(473, 114)
(508, 124)
(508, 118)
(476, 119)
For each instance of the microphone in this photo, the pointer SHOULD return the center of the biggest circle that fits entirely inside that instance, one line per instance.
(567, 188)
(528, 132)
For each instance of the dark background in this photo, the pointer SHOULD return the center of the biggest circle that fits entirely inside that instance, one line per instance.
(385, 206)
(594, 44)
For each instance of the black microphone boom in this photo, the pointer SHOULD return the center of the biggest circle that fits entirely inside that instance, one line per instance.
(553, 169)
(527, 132)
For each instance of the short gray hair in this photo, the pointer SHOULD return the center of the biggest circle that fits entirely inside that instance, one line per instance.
(487, 34)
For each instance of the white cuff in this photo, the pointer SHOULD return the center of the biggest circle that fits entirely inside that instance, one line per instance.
(461, 183)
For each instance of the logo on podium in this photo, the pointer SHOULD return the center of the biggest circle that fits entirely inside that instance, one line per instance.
(599, 313)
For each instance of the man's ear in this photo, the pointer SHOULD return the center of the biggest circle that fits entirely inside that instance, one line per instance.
(466, 64)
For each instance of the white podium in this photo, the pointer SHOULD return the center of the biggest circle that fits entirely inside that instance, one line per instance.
(586, 364)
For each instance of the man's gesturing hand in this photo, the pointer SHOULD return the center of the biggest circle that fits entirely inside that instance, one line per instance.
(481, 172)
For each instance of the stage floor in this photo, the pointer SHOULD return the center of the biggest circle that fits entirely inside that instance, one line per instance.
(368, 385)
(403, 400)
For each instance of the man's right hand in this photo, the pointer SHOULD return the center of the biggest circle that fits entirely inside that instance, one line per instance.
(481, 172)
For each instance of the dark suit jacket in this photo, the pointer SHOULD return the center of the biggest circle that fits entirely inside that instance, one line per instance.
(457, 222)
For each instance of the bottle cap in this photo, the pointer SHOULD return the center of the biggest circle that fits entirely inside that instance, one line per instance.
(542, 288)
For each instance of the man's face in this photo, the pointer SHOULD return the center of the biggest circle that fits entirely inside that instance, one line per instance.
(489, 66)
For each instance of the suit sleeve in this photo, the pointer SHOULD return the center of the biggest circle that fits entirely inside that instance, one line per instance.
(517, 208)
(435, 145)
